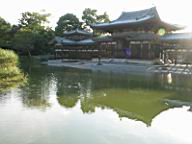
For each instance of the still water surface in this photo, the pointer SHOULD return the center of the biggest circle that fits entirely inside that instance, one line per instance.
(69, 106)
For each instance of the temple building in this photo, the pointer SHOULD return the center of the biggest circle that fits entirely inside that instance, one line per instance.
(77, 44)
(140, 35)
(176, 48)
(135, 35)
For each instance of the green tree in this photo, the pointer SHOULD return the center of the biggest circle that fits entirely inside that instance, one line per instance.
(33, 20)
(24, 40)
(33, 36)
(90, 17)
(67, 22)
(41, 41)
(5, 29)
(14, 30)
(103, 17)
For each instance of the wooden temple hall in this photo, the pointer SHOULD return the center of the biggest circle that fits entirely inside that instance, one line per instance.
(77, 44)
(134, 35)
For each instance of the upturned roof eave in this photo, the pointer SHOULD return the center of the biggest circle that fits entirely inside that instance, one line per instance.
(169, 27)
(114, 24)
(174, 37)
(172, 27)
(132, 19)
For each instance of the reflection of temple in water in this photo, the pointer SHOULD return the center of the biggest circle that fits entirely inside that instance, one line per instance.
(135, 97)
(175, 82)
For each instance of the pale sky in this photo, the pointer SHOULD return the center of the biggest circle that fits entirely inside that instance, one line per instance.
(172, 11)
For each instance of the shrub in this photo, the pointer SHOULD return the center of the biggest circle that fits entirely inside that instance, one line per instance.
(8, 58)
(10, 74)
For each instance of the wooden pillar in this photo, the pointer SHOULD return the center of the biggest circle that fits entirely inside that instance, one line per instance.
(113, 50)
(164, 56)
(160, 55)
(141, 44)
(130, 46)
(55, 54)
(99, 55)
(149, 51)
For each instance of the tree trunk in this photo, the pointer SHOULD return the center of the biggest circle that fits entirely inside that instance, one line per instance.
(29, 52)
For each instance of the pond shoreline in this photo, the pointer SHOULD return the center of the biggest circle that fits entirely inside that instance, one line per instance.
(121, 66)
(103, 66)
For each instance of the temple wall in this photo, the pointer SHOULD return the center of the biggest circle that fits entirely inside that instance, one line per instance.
(136, 50)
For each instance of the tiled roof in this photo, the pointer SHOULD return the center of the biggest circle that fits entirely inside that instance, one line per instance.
(136, 17)
(64, 41)
(77, 31)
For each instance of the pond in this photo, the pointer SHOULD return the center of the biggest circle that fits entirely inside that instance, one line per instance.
(71, 106)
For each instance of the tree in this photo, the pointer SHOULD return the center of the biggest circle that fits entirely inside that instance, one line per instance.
(41, 40)
(103, 18)
(33, 20)
(67, 22)
(35, 42)
(32, 35)
(14, 30)
(90, 17)
(5, 29)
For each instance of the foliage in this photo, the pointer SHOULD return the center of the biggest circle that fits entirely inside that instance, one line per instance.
(67, 22)
(35, 42)
(10, 75)
(103, 18)
(23, 40)
(90, 17)
(32, 36)
(33, 20)
(8, 58)
(5, 29)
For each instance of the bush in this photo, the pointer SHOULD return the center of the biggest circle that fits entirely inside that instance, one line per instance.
(10, 74)
(8, 58)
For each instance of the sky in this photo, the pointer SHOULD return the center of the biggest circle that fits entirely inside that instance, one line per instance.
(172, 11)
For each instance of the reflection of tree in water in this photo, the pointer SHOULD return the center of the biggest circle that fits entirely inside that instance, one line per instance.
(11, 81)
(72, 86)
(36, 93)
(86, 95)
(68, 89)
(136, 97)
(86, 106)
(67, 101)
